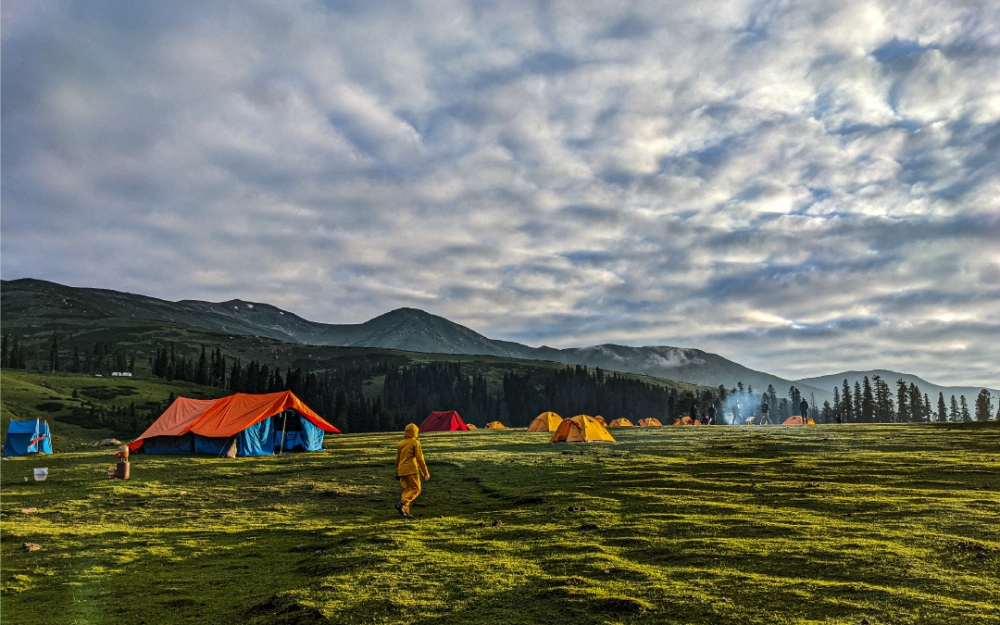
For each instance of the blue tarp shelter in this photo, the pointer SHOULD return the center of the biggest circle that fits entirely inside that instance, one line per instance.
(27, 437)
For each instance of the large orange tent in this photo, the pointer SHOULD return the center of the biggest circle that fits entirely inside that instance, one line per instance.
(621, 423)
(797, 420)
(238, 425)
(651, 422)
(495, 425)
(581, 429)
(447, 421)
(545, 422)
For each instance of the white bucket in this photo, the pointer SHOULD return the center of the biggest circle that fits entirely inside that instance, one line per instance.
(41, 474)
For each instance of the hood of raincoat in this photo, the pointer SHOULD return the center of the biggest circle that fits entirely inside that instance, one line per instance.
(411, 431)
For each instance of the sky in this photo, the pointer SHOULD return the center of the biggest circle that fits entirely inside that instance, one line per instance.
(803, 187)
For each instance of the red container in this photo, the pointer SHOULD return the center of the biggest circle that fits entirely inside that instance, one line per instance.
(123, 471)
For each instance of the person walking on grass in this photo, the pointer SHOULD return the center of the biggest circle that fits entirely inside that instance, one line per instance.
(409, 466)
(711, 415)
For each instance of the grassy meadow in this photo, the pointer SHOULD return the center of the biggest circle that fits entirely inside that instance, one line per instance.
(825, 524)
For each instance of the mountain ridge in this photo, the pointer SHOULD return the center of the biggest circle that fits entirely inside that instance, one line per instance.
(406, 328)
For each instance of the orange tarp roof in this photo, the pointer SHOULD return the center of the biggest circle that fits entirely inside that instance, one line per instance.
(227, 416)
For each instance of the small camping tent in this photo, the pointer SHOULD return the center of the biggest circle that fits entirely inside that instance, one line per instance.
(797, 420)
(545, 422)
(650, 423)
(27, 437)
(447, 421)
(686, 421)
(495, 425)
(238, 425)
(581, 429)
(601, 420)
(621, 423)
(471, 427)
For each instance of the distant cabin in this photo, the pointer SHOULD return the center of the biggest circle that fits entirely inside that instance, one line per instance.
(121, 374)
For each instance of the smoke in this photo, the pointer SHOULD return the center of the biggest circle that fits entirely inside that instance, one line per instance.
(740, 407)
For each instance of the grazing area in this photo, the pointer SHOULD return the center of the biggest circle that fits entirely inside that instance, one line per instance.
(825, 524)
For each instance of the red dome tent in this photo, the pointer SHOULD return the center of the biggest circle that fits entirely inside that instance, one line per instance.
(448, 421)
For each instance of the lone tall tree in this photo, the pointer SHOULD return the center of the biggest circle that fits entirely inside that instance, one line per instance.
(984, 405)
(942, 413)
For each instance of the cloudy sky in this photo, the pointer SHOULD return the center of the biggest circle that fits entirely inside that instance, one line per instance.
(803, 187)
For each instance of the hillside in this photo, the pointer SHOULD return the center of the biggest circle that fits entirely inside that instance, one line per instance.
(37, 307)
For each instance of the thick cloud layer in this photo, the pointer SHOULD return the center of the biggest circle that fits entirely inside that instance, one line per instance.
(802, 187)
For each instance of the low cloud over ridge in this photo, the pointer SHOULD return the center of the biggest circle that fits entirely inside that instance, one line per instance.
(802, 188)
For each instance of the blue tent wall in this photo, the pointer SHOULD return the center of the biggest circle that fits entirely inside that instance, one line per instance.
(256, 439)
(303, 436)
(213, 445)
(21, 433)
(183, 444)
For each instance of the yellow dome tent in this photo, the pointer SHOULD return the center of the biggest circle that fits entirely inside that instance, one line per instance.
(471, 427)
(495, 425)
(621, 423)
(650, 423)
(581, 429)
(797, 420)
(545, 422)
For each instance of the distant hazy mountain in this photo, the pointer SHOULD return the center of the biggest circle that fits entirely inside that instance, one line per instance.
(890, 377)
(35, 305)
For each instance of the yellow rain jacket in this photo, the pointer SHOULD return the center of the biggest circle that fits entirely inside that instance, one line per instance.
(409, 456)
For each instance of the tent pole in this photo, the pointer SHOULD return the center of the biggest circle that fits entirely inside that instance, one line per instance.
(284, 422)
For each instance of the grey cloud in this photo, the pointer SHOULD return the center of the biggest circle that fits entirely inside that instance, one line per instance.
(735, 177)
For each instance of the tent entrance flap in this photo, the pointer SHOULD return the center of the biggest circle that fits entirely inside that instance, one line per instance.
(256, 440)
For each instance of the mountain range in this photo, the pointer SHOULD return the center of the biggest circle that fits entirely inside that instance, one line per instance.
(29, 303)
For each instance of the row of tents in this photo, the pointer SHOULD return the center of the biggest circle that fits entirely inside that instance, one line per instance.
(243, 425)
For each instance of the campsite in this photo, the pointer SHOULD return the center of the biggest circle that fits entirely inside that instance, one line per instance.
(784, 524)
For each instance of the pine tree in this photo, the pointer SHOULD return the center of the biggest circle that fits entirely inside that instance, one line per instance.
(984, 405)
(942, 411)
(965, 409)
(916, 403)
(847, 403)
(836, 401)
(954, 415)
(75, 368)
(867, 403)
(902, 399)
(928, 409)
(54, 354)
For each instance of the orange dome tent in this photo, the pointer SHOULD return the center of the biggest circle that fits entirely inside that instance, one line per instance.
(448, 421)
(581, 429)
(601, 420)
(495, 425)
(650, 423)
(545, 422)
(622, 423)
(471, 427)
(797, 420)
(686, 421)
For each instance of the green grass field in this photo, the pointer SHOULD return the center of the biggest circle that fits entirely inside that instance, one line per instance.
(826, 524)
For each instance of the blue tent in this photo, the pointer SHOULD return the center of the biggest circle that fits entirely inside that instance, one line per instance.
(27, 437)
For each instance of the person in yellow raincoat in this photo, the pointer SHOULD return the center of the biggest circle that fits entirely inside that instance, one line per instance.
(409, 466)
